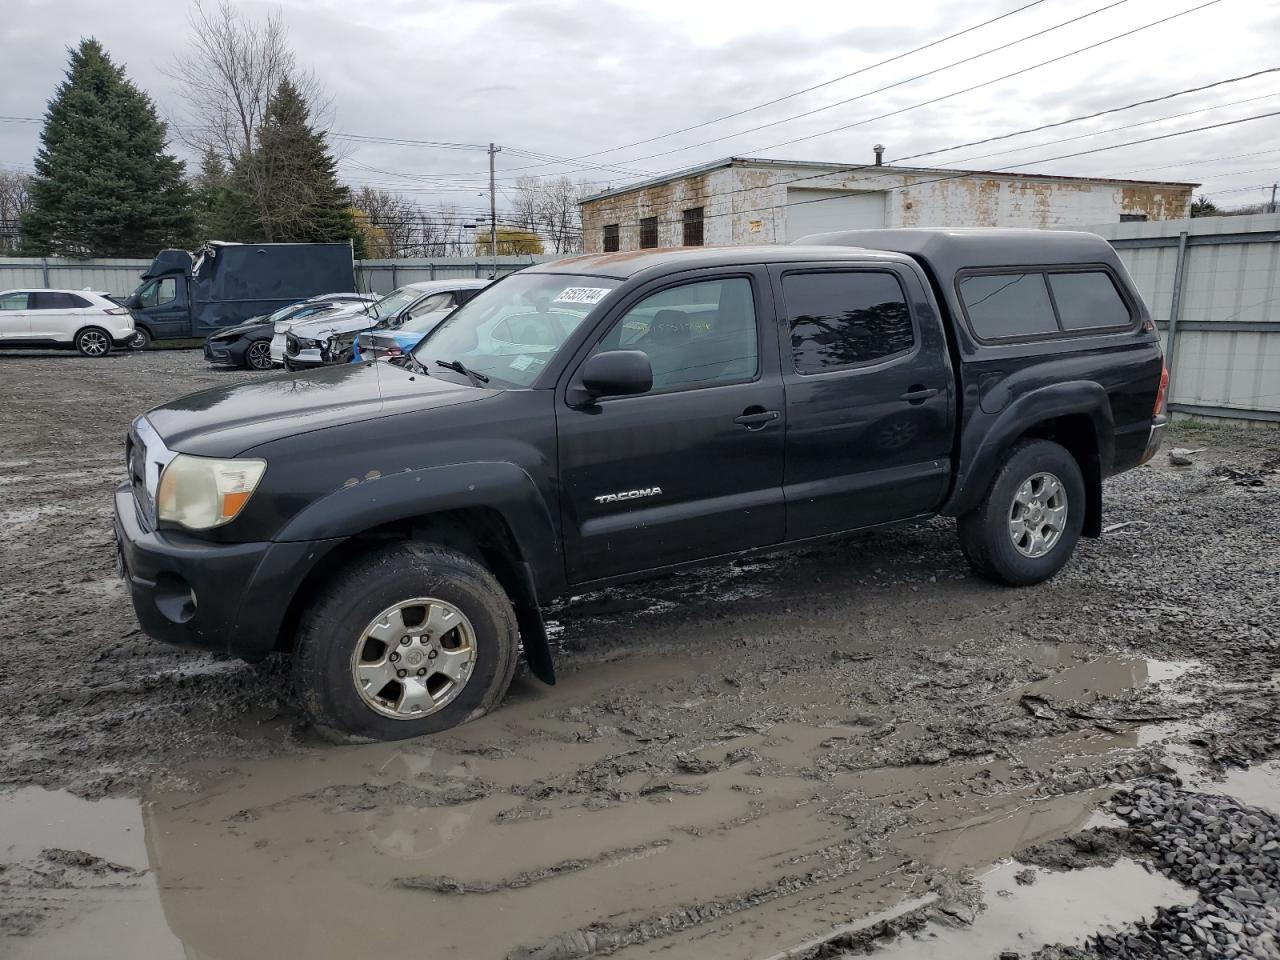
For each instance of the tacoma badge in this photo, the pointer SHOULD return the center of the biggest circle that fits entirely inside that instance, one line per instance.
(629, 495)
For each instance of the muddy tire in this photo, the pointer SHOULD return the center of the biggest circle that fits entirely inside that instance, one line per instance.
(1027, 526)
(141, 339)
(408, 640)
(93, 342)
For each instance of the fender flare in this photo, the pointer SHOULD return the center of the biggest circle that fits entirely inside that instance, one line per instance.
(500, 486)
(991, 435)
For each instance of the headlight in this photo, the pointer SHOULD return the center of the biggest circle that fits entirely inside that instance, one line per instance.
(201, 493)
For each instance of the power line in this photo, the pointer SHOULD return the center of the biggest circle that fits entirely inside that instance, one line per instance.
(898, 83)
(1127, 126)
(809, 89)
(1000, 79)
(955, 93)
(1091, 116)
(959, 175)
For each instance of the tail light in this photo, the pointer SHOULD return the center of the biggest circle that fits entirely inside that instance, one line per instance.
(1163, 391)
(116, 311)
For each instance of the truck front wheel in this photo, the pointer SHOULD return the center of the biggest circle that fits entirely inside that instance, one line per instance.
(1027, 526)
(408, 640)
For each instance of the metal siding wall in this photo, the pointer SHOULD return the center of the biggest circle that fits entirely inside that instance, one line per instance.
(1231, 277)
(112, 276)
(121, 277)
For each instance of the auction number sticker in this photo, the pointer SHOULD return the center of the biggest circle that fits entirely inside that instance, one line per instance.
(582, 295)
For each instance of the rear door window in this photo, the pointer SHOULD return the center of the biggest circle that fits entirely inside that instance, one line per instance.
(52, 300)
(1088, 300)
(1007, 305)
(845, 319)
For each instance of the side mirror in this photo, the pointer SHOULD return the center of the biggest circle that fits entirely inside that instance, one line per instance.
(132, 301)
(615, 373)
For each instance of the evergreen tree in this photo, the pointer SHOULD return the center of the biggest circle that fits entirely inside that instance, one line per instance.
(104, 185)
(292, 178)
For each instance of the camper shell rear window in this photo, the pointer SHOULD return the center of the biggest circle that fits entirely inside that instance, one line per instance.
(1003, 304)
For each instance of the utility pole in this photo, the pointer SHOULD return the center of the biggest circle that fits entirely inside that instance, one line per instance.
(1272, 209)
(493, 210)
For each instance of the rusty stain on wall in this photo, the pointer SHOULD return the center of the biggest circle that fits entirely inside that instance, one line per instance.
(1158, 202)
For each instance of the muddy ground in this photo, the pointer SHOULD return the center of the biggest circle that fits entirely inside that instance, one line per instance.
(856, 749)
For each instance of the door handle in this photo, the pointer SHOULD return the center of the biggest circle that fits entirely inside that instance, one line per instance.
(918, 394)
(753, 418)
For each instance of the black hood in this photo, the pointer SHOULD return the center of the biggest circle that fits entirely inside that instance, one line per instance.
(257, 323)
(227, 421)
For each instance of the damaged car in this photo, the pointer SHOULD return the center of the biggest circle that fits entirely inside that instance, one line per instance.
(248, 344)
(330, 339)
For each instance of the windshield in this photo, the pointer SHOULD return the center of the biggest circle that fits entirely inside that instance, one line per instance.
(393, 303)
(513, 329)
(283, 312)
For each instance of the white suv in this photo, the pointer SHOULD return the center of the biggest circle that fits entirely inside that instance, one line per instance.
(87, 321)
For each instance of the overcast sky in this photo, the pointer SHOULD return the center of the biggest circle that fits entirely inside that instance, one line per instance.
(573, 79)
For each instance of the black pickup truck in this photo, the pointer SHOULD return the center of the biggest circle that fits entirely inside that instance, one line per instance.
(395, 525)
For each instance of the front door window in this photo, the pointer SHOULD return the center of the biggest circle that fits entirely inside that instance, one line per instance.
(159, 292)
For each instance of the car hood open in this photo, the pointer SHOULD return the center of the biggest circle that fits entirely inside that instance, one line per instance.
(227, 421)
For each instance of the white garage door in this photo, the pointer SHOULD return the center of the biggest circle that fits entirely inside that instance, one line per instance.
(820, 211)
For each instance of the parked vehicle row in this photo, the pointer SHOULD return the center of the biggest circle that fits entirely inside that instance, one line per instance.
(85, 320)
(249, 344)
(397, 526)
(331, 338)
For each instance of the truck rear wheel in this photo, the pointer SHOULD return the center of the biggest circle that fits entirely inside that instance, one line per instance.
(1027, 526)
(408, 640)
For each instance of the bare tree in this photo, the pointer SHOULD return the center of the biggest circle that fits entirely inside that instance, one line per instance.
(562, 215)
(229, 73)
(395, 218)
(550, 209)
(528, 203)
(15, 199)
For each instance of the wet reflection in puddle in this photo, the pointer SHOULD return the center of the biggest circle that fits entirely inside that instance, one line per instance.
(1055, 908)
(86, 909)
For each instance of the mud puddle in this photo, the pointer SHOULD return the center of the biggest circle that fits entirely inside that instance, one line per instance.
(75, 880)
(1027, 908)
(650, 807)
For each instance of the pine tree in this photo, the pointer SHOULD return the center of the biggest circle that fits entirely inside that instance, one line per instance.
(104, 185)
(292, 178)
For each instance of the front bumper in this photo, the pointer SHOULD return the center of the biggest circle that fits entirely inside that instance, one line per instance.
(227, 597)
(307, 359)
(230, 351)
(1159, 424)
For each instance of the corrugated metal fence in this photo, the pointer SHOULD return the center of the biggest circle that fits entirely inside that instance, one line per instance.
(120, 277)
(1213, 286)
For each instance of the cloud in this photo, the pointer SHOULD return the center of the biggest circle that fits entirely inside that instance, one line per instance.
(568, 79)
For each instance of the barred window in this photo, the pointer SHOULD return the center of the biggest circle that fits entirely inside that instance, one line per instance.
(611, 238)
(693, 227)
(648, 233)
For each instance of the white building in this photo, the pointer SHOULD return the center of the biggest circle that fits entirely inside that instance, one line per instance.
(745, 200)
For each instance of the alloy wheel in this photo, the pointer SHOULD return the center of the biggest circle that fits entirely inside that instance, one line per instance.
(1038, 515)
(414, 658)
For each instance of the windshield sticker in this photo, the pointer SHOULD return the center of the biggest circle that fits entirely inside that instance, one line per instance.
(524, 362)
(582, 295)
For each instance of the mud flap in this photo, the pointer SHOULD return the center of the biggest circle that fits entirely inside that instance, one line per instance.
(533, 632)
